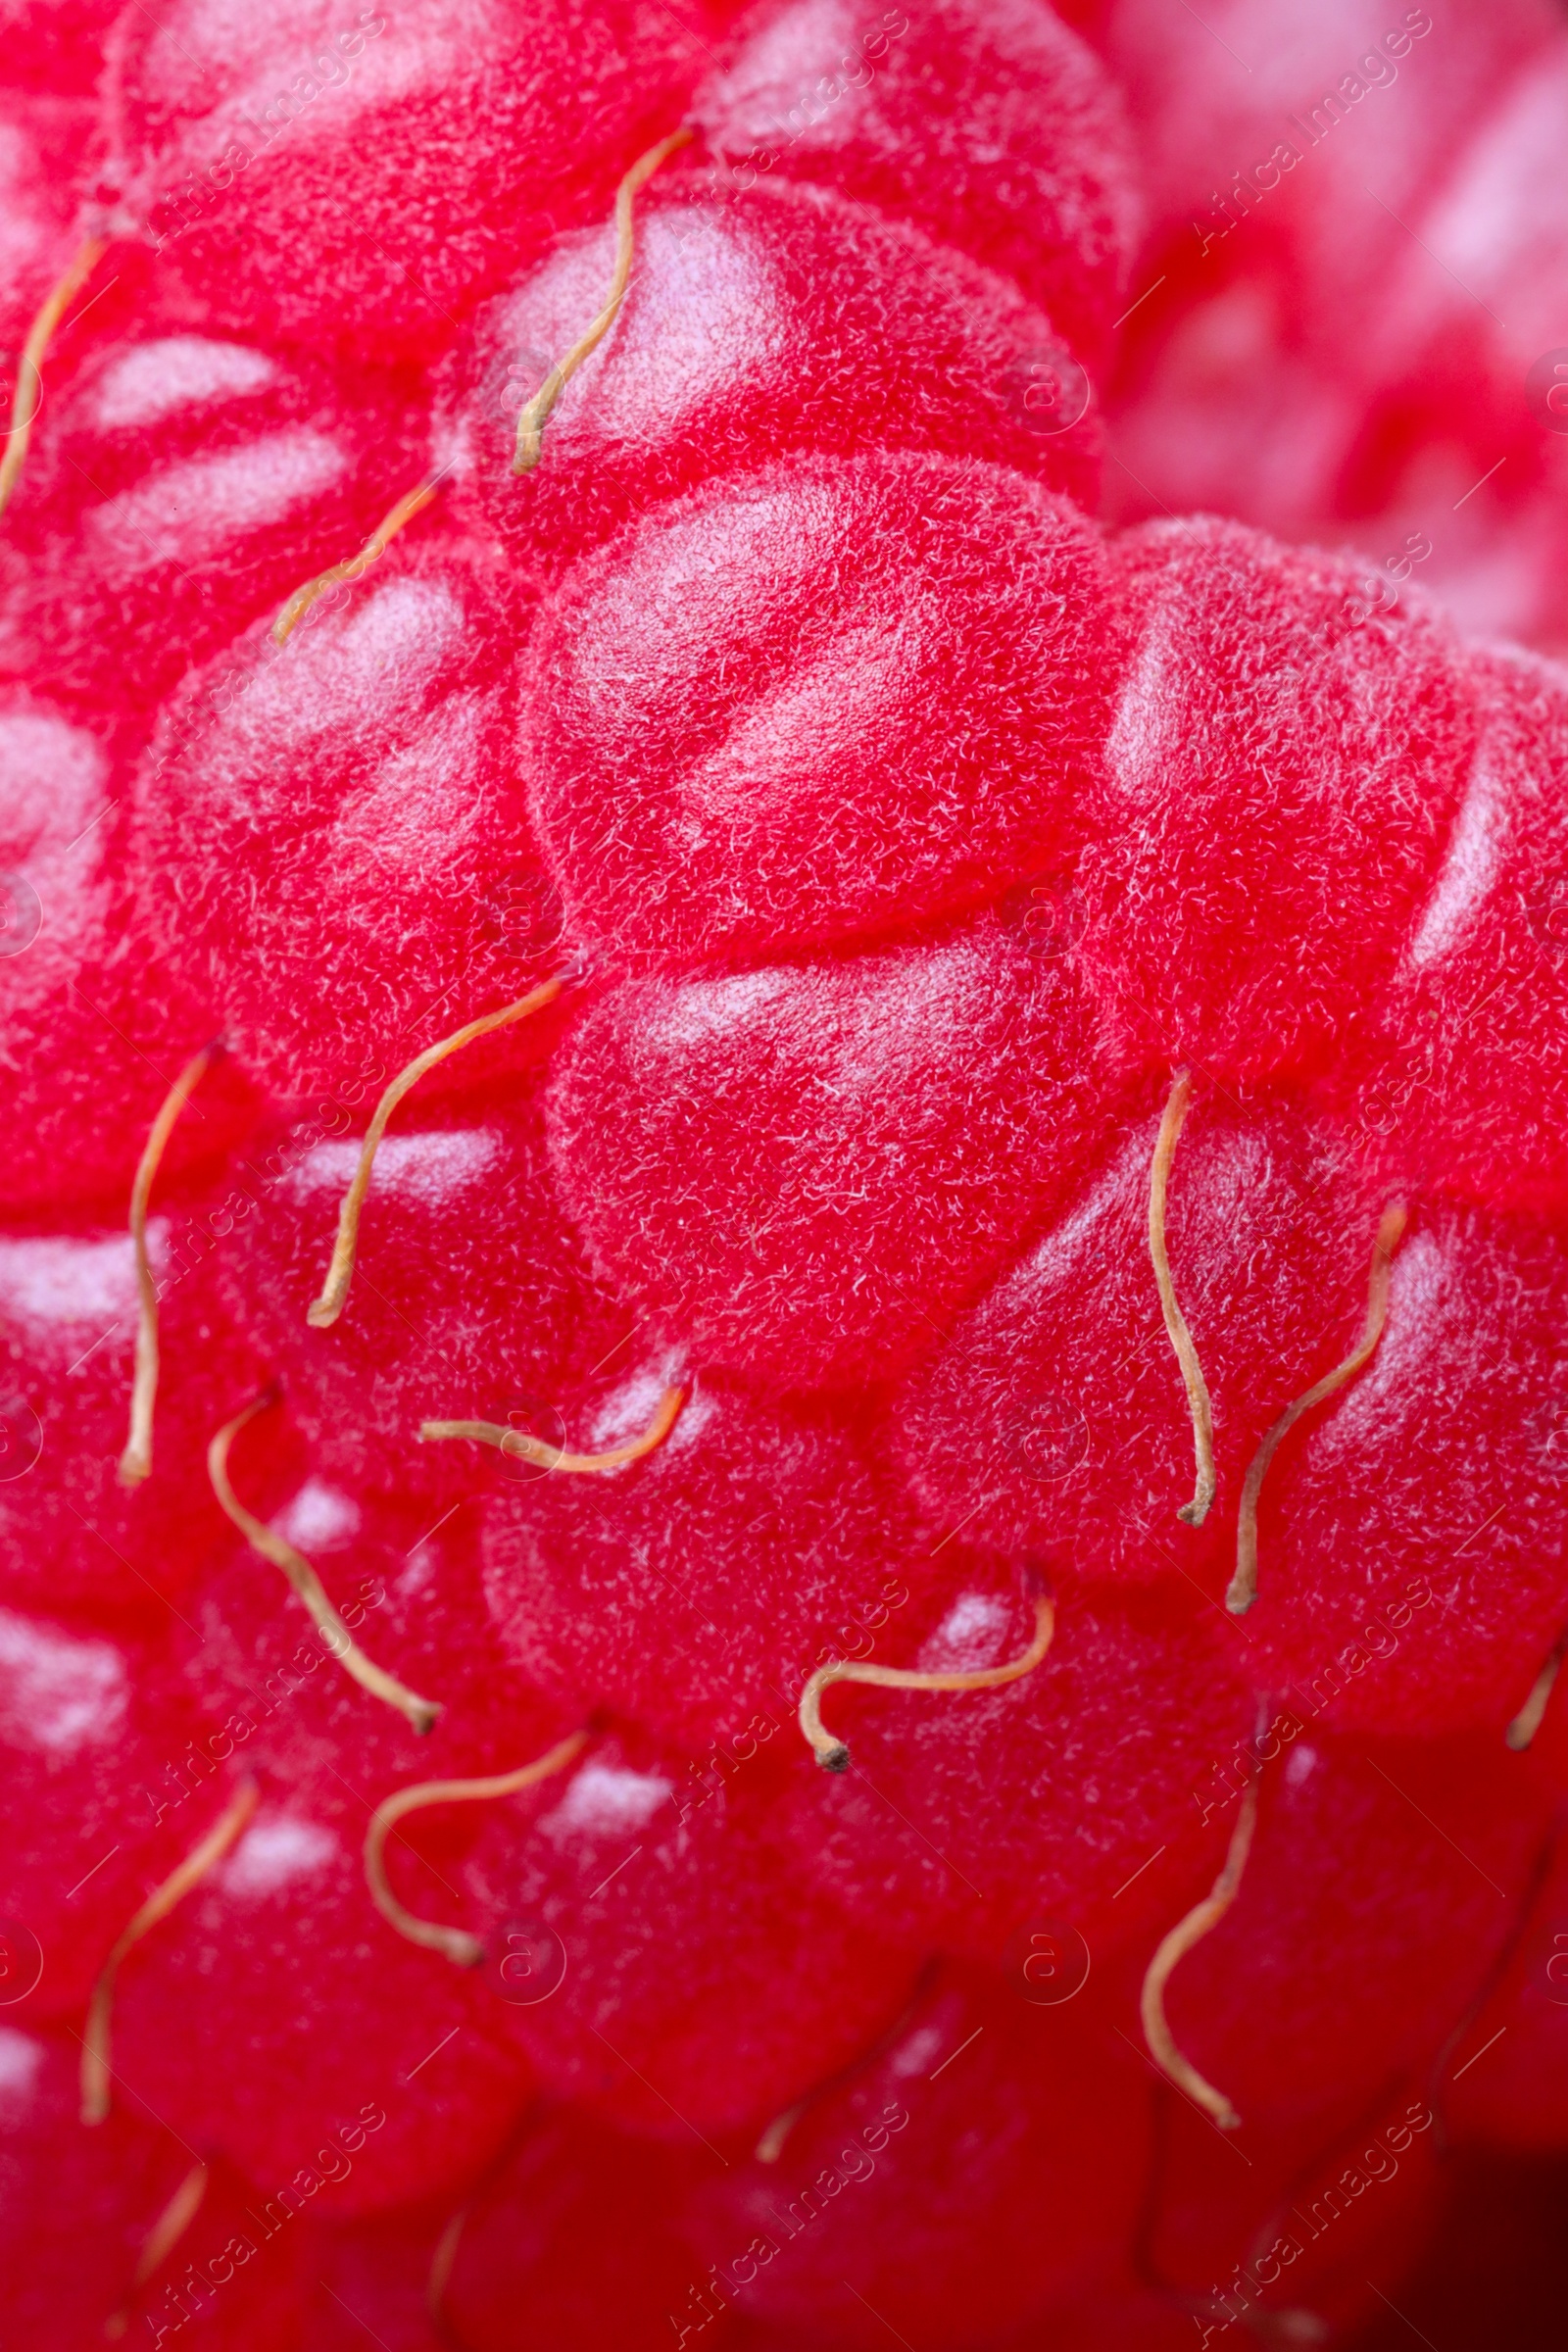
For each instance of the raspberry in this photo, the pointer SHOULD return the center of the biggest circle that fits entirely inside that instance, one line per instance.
(960, 1061)
(1345, 1836)
(791, 1524)
(75, 2204)
(268, 1683)
(749, 784)
(183, 472)
(87, 1755)
(1474, 1099)
(471, 1300)
(42, 143)
(391, 2067)
(577, 2228)
(76, 1535)
(777, 1108)
(1290, 2243)
(1052, 1420)
(1277, 787)
(1068, 1794)
(368, 131)
(1342, 318)
(987, 126)
(1518, 2101)
(90, 1034)
(758, 320)
(708, 1980)
(54, 46)
(1407, 1603)
(376, 744)
(1002, 2138)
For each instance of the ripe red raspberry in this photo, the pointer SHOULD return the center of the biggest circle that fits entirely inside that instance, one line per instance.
(761, 319)
(420, 1769)
(90, 1722)
(805, 1553)
(75, 1535)
(1050, 1423)
(985, 125)
(794, 760)
(364, 772)
(1461, 1076)
(737, 1191)
(710, 1979)
(187, 474)
(472, 1299)
(47, 148)
(577, 2228)
(1279, 780)
(1422, 1595)
(1004, 2141)
(361, 178)
(1082, 1793)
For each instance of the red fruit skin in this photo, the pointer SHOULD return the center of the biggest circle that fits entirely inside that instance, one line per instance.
(1279, 783)
(807, 1167)
(1380, 1888)
(1464, 1080)
(575, 2231)
(708, 1980)
(364, 182)
(1319, 369)
(274, 1698)
(75, 2205)
(1054, 1421)
(48, 152)
(178, 487)
(1085, 1796)
(74, 1537)
(758, 320)
(1507, 2078)
(87, 1749)
(470, 1300)
(1296, 2228)
(1411, 1537)
(762, 1539)
(91, 1035)
(232, 2281)
(88, 1072)
(57, 792)
(1007, 2143)
(989, 126)
(327, 836)
(275, 2017)
(876, 691)
(52, 46)
(372, 2278)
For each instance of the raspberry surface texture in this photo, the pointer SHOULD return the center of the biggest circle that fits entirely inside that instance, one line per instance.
(784, 1221)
